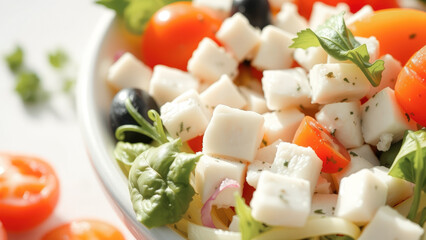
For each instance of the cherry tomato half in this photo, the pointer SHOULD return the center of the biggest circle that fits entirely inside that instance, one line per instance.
(410, 88)
(332, 153)
(3, 235)
(174, 32)
(84, 230)
(29, 191)
(196, 144)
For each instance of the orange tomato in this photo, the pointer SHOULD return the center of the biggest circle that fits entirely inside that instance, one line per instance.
(401, 32)
(332, 153)
(84, 230)
(29, 191)
(410, 87)
(174, 32)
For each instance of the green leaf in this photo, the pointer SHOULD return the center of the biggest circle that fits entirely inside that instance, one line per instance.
(14, 60)
(68, 85)
(159, 184)
(337, 40)
(58, 58)
(249, 227)
(335, 237)
(126, 153)
(29, 88)
(117, 5)
(387, 158)
(410, 165)
(138, 13)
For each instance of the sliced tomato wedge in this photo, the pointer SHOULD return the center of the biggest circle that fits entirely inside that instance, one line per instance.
(29, 191)
(333, 154)
(84, 230)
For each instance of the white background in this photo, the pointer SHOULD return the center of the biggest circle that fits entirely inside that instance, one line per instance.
(50, 130)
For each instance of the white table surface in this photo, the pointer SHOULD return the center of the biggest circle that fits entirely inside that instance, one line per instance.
(51, 130)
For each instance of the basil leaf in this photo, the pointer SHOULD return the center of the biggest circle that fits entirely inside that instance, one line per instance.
(159, 184)
(58, 58)
(14, 60)
(387, 158)
(29, 88)
(117, 5)
(337, 40)
(249, 227)
(126, 153)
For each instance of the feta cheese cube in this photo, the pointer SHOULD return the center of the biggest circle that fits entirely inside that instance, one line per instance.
(381, 115)
(286, 88)
(389, 75)
(209, 62)
(129, 72)
(228, 92)
(309, 57)
(323, 185)
(281, 200)
(343, 120)
(255, 101)
(324, 204)
(360, 196)
(167, 83)
(234, 226)
(356, 164)
(322, 12)
(254, 170)
(209, 174)
(273, 52)
(389, 224)
(365, 11)
(185, 117)
(238, 36)
(282, 125)
(296, 161)
(267, 153)
(337, 82)
(233, 133)
(365, 152)
(398, 189)
(289, 20)
(223, 7)
(276, 4)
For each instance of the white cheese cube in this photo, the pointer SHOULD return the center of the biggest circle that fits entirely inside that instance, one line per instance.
(234, 226)
(276, 4)
(238, 36)
(209, 62)
(167, 83)
(372, 48)
(365, 11)
(296, 161)
(389, 75)
(286, 88)
(324, 204)
(282, 125)
(223, 7)
(254, 170)
(273, 52)
(255, 101)
(398, 189)
(185, 117)
(365, 152)
(223, 92)
(323, 185)
(209, 174)
(321, 12)
(355, 165)
(129, 72)
(281, 200)
(381, 115)
(267, 154)
(309, 57)
(360, 195)
(233, 133)
(289, 20)
(337, 82)
(389, 224)
(343, 120)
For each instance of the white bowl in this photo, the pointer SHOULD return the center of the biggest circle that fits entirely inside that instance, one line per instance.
(93, 103)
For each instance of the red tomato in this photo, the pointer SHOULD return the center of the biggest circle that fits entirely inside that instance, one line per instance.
(174, 32)
(410, 88)
(29, 191)
(84, 230)
(248, 192)
(332, 153)
(196, 144)
(3, 235)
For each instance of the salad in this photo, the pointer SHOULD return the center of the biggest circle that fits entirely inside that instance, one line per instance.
(246, 120)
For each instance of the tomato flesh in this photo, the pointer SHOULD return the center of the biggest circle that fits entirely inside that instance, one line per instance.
(3, 235)
(84, 230)
(174, 32)
(29, 191)
(196, 144)
(332, 153)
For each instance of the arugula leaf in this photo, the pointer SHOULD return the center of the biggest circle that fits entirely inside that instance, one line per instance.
(159, 184)
(249, 227)
(410, 165)
(126, 153)
(117, 5)
(29, 88)
(58, 58)
(338, 41)
(14, 60)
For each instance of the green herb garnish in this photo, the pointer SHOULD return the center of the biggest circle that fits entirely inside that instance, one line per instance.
(28, 87)
(58, 58)
(249, 227)
(14, 60)
(337, 40)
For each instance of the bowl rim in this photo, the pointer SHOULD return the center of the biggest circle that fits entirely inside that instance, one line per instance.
(86, 111)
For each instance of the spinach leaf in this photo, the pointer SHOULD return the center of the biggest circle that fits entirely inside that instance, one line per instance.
(387, 158)
(337, 40)
(159, 184)
(125, 153)
(249, 227)
(410, 165)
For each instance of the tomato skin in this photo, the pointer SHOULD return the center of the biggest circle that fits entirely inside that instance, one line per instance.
(196, 144)
(32, 199)
(174, 32)
(84, 230)
(332, 153)
(3, 235)
(248, 192)
(410, 87)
